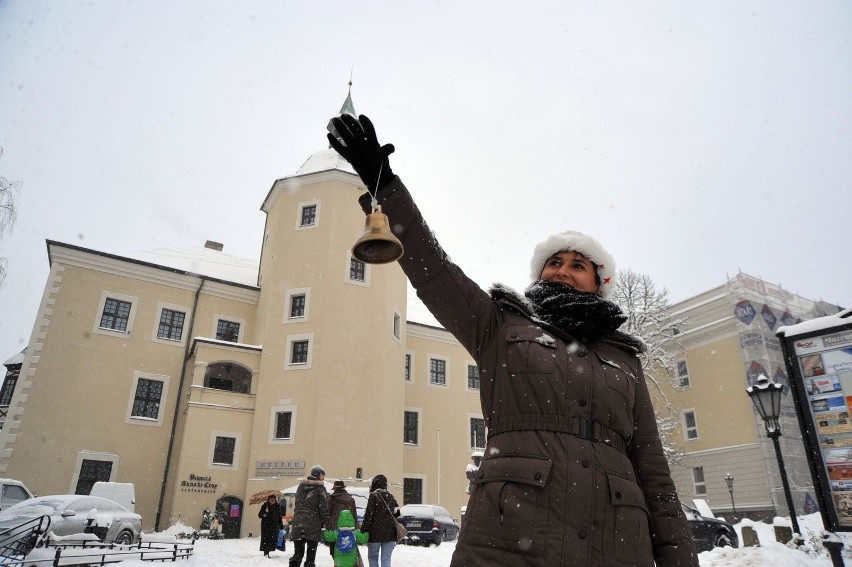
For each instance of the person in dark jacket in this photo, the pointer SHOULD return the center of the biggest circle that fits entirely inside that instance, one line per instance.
(574, 471)
(310, 516)
(380, 522)
(270, 522)
(340, 500)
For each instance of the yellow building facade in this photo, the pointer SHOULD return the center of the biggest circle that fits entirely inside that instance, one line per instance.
(725, 343)
(204, 378)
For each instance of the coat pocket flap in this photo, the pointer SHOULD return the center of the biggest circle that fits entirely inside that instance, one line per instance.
(624, 492)
(529, 333)
(514, 468)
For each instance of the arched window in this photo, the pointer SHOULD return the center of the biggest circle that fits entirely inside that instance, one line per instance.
(228, 376)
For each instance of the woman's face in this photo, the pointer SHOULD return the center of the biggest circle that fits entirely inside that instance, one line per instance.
(572, 269)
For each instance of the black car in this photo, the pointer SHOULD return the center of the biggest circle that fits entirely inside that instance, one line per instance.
(427, 524)
(710, 532)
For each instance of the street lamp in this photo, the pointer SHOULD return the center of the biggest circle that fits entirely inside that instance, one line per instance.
(766, 396)
(729, 480)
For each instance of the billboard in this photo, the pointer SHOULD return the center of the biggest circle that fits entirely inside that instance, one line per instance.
(818, 355)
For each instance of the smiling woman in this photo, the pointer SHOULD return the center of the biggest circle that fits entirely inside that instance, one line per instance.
(573, 448)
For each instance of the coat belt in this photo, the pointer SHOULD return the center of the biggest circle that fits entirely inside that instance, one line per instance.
(581, 427)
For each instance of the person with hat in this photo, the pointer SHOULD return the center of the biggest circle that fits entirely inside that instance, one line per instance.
(310, 516)
(573, 471)
(339, 500)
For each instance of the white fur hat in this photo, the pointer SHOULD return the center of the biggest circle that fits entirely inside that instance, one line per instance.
(585, 245)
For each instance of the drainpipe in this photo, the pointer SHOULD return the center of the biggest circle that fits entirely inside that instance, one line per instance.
(177, 405)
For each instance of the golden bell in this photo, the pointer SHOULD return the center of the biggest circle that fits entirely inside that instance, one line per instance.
(377, 245)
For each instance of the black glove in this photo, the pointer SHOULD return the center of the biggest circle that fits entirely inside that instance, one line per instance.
(358, 145)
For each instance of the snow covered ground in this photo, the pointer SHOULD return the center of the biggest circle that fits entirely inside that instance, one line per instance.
(244, 552)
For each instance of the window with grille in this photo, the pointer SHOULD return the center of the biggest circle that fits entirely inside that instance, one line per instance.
(297, 306)
(171, 324)
(408, 368)
(472, 377)
(9, 387)
(698, 481)
(412, 491)
(309, 215)
(146, 402)
(283, 421)
(477, 433)
(682, 374)
(92, 471)
(409, 434)
(357, 270)
(438, 371)
(299, 352)
(690, 425)
(227, 331)
(115, 315)
(223, 451)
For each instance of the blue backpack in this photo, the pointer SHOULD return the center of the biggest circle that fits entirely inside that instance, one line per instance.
(345, 541)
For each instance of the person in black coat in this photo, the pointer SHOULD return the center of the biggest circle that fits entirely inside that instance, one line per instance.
(270, 522)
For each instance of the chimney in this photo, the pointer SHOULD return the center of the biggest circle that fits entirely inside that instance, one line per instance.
(212, 245)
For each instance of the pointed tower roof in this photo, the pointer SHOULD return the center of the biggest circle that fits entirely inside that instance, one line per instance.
(347, 108)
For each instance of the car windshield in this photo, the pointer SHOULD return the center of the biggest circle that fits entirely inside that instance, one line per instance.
(34, 506)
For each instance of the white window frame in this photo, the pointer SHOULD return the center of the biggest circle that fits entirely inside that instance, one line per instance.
(446, 360)
(467, 367)
(313, 203)
(237, 448)
(93, 456)
(288, 353)
(273, 421)
(687, 429)
(306, 291)
(470, 417)
(159, 313)
(679, 377)
(147, 421)
(410, 355)
(134, 302)
(229, 319)
(396, 326)
(367, 271)
(699, 488)
(419, 413)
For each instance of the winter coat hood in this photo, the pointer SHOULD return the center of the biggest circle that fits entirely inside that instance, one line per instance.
(345, 520)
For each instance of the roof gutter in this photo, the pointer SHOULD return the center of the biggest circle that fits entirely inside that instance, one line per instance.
(186, 356)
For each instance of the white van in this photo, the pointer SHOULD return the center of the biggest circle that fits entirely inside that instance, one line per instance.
(12, 491)
(122, 492)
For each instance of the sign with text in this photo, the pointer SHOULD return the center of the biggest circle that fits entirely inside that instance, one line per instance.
(819, 364)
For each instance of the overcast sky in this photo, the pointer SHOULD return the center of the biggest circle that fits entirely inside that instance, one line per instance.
(693, 139)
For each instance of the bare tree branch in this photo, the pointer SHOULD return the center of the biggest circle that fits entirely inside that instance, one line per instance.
(649, 319)
(8, 211)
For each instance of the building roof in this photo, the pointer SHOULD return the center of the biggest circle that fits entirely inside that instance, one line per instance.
(324, 160)
(203, 261)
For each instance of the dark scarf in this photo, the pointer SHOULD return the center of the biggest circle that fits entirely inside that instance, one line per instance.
(585, 316)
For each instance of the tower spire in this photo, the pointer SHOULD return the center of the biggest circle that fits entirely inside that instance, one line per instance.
(347, 108)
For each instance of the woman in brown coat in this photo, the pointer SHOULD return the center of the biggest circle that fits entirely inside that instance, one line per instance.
(574, 471)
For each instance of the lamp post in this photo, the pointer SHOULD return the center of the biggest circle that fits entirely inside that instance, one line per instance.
(766, 396)
(729, 480)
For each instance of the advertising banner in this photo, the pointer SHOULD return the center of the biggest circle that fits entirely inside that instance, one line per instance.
(818, 355)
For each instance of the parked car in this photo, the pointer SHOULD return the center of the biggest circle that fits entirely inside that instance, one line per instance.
(122, 492)
(710, 532)
(427, 524)
(13, 491)
(70, 513)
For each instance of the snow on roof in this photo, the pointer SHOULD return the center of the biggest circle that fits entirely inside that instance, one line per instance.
(324, 160)
(17, 359)
(818, 324)
(203, 261)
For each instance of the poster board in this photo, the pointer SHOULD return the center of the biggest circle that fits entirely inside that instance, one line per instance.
(818, 355)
